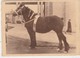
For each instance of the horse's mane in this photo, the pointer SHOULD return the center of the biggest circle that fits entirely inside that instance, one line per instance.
(28, 8)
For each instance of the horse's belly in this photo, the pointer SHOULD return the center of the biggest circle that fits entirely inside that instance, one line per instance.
(42, 28)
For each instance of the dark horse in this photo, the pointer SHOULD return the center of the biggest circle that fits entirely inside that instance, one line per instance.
(43, 25)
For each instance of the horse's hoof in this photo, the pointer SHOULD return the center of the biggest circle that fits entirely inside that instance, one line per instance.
(59, 50)
(65, 52)
(67, 48)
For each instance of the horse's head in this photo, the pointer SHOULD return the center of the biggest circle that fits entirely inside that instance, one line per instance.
(25, 11)
(19, 10)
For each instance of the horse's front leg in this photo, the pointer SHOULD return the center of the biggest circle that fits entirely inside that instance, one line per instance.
(33, 40)
(32, 37)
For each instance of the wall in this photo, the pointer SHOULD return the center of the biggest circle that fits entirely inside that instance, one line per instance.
(58, 9)
(71, 14)
(67, 11)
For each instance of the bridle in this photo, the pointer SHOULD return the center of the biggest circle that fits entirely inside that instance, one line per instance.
(22, 15)
(28, 15)
(35, 20)
(19, 10)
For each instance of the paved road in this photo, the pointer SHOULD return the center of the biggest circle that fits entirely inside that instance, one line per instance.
(19, 41)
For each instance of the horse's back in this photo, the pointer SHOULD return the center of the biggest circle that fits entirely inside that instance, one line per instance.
(55, 23)
(55, 20)
(48, 23)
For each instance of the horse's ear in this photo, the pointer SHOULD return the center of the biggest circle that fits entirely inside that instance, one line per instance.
(27, 7)
(22, 4)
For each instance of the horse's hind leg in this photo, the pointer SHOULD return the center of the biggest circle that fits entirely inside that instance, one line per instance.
(62, 37)
(60, 41)
(65, 42)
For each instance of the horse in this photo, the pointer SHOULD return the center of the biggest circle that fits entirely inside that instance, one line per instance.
(43, 25)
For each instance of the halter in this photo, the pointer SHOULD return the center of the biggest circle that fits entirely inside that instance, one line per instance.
(19, 10)
(28, 15)
(35, 18)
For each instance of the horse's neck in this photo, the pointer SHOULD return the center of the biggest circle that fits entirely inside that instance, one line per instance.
(28, 15)
(25, 18)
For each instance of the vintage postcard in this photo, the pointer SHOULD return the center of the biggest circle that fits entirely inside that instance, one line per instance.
(40, 27)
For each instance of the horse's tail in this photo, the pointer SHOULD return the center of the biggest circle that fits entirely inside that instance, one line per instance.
(62, 18)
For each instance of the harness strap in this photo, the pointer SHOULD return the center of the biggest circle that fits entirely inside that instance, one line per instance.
(32, 15)
(35, 18)
(29, 21)
(35, 21)
(18, 10)
(29, 13)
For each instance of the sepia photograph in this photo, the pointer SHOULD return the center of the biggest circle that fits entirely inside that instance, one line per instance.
(40, 27)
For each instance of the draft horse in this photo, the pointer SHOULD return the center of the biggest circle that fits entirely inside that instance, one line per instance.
(43, 25)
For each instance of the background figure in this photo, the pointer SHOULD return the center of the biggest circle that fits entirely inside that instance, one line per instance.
(12, 17)
(69, 29)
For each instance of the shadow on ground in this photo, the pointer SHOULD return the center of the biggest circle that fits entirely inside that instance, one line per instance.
(16, 45)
